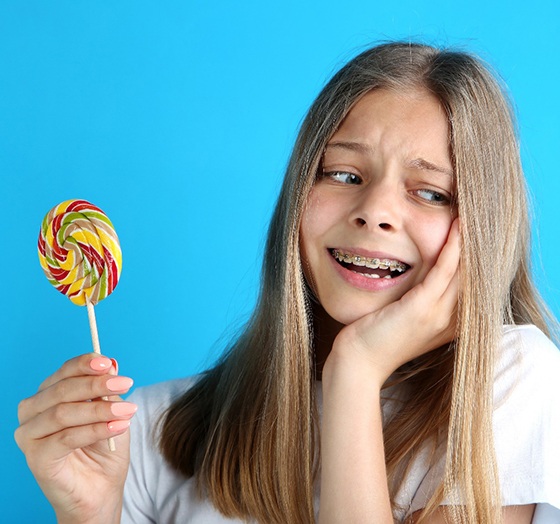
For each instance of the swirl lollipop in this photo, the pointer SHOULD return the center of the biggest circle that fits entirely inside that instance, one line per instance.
(79, 251)
(80, 254)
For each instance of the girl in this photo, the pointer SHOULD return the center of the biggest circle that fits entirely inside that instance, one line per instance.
(396, 367)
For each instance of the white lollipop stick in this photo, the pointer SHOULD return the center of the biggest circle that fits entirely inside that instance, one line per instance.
(97, 349)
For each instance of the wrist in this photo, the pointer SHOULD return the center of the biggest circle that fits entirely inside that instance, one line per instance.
(98, 519)
(348, 362)
(108, 513)
(352, 374)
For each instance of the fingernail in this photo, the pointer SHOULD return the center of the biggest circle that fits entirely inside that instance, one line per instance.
(100, 363)
(115, 365)
(119, 384)
(118, 425)
(123, 409)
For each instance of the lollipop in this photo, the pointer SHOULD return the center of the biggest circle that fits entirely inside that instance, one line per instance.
(79, 251)
(80, 254)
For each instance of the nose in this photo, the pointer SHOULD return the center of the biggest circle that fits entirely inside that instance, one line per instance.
(378, 207)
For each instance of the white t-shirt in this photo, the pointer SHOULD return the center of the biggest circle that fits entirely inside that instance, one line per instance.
(526, 438)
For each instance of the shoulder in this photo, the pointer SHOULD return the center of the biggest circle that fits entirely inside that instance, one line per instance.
(531, 345)
(163, 392)
(526, 429)
(153, 400)
(527, 366)
(155, 491)
(525, 422)
(151, 482)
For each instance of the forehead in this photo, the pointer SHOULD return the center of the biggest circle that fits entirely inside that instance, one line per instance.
(412, 121)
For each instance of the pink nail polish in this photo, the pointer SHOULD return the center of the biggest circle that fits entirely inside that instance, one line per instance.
(116, 384)
(123, 409)
(100, 363)
(118, 425)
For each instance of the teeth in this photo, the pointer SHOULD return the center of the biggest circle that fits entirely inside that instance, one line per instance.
(359, 261)
(370, 275)
(371, 263)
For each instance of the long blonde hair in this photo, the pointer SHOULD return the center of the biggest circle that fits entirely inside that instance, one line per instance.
(248, 429)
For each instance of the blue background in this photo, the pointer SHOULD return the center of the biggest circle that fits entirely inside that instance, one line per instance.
(177, 118)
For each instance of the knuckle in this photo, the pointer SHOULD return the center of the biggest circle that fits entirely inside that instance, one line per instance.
(444, 324)
(32, 451)
(19, 437)
(69, 438)
(67, 363)
(101, 410)
(74, 438)
(100, 431)
(449, 273)
(441, 326)
(96, 386)
(23, 409)
(60, 391)
(60, 414)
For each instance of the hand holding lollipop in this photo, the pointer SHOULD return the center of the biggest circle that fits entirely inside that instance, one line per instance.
(80, 254)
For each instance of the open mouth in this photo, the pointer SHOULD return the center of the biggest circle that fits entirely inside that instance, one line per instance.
(370, 267)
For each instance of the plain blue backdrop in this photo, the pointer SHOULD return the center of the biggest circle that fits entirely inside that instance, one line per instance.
(177, 118)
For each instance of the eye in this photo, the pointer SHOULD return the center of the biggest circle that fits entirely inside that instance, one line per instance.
(433, 197)
(342, 177)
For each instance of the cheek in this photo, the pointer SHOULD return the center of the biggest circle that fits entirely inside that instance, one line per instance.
(306, 251)
(312, 222)
(307, 234)
(314, 225)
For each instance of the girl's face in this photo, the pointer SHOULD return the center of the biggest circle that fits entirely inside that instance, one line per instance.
(380, 210)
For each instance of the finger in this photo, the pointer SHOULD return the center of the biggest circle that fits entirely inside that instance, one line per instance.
(434, 301)
(450, 296)
(61, 444)
(87, 364)
(445, 304)
(446, 267)
(72, 389)
(73, 414)
(447, 310)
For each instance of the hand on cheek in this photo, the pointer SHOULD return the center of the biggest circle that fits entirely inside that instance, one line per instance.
(422, 320)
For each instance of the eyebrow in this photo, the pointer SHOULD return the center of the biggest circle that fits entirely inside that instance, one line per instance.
(420, 163)
(417, 163)
(358, 147)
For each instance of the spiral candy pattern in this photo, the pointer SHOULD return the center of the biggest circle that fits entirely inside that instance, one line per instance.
(79, 251)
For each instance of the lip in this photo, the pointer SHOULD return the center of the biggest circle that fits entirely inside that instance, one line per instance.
(359, 281)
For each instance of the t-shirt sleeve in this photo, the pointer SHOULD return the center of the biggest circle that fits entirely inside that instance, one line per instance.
(526, 424)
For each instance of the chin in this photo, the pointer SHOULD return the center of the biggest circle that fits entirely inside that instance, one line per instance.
(350, 315)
